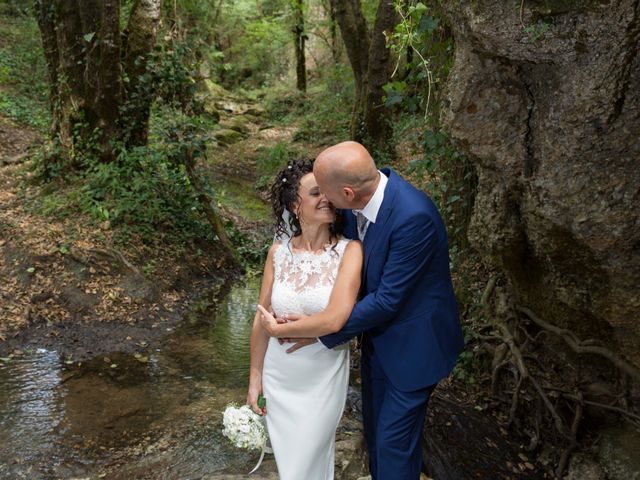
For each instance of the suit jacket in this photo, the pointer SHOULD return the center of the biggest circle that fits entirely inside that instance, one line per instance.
(408, 307)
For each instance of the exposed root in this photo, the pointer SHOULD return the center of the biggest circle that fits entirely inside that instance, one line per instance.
(511, 345)
(579, 346)
(109, 253)
(566, 455)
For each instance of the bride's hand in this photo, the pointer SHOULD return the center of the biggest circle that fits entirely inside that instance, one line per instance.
(252, 398)
(268, 321)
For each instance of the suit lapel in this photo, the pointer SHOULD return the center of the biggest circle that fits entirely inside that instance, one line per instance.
(375, 230)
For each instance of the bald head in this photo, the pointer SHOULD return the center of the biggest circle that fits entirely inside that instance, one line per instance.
(347, 165)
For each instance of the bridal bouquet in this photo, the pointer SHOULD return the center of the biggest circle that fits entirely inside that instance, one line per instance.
(244, 427)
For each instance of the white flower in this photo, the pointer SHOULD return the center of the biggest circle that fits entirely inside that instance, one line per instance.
(244, 427)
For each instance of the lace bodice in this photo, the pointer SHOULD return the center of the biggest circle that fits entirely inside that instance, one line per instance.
(303, 280)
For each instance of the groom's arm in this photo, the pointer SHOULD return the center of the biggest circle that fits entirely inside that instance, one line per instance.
(412, 248)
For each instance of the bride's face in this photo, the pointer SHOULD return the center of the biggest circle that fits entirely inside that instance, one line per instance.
(313, 208)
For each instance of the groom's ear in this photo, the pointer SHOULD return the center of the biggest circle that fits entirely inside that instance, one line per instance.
(349, 194)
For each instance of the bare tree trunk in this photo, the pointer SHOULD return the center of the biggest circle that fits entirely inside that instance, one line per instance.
(142, 31)
(299, 39)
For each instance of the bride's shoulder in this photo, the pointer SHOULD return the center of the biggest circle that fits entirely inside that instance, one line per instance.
(346, 243)
(275, 246)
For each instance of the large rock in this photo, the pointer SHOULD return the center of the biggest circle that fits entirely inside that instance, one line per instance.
(547, 106)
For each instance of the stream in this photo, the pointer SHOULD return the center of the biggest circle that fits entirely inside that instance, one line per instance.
(153, 415)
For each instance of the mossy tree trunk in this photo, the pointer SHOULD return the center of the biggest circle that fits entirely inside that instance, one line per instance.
(87, 64)
(353, 28)
(141, 34)
(371, 63)
(377, 127)
(335, 46)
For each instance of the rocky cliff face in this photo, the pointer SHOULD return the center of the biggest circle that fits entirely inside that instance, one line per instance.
(546, 102)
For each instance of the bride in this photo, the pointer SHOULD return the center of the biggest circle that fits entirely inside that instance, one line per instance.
(314, 269)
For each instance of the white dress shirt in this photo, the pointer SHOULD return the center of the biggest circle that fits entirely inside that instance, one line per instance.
(371, 209)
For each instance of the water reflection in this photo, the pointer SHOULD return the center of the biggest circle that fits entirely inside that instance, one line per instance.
(59, 421)
(30, 408)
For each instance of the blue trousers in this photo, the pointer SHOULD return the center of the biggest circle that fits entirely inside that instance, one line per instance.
(393, 422)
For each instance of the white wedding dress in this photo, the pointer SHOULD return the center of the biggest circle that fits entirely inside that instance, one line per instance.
(305, 390)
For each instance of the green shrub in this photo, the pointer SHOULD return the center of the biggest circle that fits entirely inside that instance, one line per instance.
(23, 71)
(271, 160)
(328, 113)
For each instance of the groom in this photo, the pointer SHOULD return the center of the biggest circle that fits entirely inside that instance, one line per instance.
(407, 313)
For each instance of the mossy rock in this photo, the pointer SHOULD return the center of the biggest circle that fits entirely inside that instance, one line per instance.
(239, 124)
(212, 112)
(256, 111)
(226, 136)
(212, 88)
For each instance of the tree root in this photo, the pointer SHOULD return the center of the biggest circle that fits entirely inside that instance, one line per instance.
(566, 455)
(579, 346)
(109, 253)
(513, 352)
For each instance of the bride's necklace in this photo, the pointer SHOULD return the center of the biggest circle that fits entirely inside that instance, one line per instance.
(321, 249)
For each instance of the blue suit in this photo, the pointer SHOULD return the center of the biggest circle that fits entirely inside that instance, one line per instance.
(409, 320)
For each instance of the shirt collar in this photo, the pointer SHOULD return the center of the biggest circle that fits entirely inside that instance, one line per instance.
(371, 209)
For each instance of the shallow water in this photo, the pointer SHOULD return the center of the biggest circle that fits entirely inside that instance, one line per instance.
(118, 416)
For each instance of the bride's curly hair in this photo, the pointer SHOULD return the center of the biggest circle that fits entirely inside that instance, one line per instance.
(284, 193)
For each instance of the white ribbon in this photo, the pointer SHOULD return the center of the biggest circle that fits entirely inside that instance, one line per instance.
(265, 449)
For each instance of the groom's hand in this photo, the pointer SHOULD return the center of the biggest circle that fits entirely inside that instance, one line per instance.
(284, 319)
(298, 343)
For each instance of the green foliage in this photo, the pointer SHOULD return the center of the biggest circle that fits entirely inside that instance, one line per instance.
(256, 43)
(15, 7)
(322, 114)
(465, 369)
(271, 160)
(441, 170)
(328, 111)
(251, 247)
(284, 104)
(537, 31)
(145, 193)
(450, 179)
(23, 71)
(424, 48)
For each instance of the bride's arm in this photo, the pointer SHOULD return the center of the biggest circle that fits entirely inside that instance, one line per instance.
(343, 297)
(259, 337)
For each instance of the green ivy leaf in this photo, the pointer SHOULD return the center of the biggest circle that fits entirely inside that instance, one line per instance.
(420, 7)
(428, 24)
(89, 36)
(394, 98)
